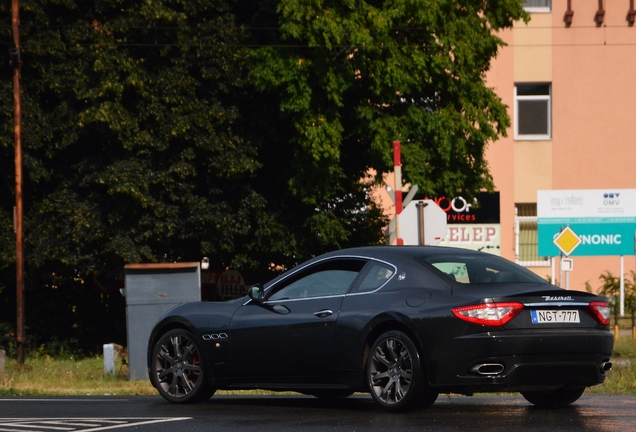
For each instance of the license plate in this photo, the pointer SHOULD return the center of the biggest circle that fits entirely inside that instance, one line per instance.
(555, 316)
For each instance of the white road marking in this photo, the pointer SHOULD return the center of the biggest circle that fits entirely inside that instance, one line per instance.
(79, 424)
(62, 400)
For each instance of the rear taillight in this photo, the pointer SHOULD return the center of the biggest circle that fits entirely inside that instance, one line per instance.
(490, 314)
(601, 312)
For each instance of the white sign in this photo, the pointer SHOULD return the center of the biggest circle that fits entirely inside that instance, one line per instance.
(434, 223)
(567, 264)
(480, 237)
(586, 203)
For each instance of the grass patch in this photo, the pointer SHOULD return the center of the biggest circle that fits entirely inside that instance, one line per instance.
(47, 376)
(624, 348)
(622, 378)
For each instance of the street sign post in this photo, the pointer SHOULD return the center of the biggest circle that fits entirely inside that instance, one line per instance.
(567, 241)
(429, 221)
(567, 265)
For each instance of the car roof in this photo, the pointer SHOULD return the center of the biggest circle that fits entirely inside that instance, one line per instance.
(393, 252)
(397, 255)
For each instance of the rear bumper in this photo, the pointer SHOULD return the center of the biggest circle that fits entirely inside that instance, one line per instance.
(524, 360)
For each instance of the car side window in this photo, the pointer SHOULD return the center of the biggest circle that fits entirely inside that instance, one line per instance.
(330, 278)
(378, 275)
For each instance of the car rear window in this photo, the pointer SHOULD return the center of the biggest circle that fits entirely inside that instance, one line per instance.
(478, 269)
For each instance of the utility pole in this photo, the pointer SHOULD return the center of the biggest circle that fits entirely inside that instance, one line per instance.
(397, 171)
(16, 62)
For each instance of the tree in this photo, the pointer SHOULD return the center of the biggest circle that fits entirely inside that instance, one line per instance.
(133, 151)
(350, 77)
(169, 130)
(610, 288)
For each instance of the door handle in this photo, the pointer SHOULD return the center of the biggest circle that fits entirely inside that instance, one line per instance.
(323, 313)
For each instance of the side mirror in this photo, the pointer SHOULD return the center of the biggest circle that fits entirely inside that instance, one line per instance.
(256, 293)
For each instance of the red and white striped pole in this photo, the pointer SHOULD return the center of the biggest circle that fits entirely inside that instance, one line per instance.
(397, 171)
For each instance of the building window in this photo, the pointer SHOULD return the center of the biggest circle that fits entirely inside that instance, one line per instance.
(533, 111)
(527, 236)
(537, 5)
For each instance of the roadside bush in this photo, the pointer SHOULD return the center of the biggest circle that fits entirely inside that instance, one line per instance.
(610, 289)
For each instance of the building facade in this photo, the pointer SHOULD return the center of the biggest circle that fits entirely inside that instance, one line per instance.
(569, 80)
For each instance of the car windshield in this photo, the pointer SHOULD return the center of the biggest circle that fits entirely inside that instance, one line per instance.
(476, 269)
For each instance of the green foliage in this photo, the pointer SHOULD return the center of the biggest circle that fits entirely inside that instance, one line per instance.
(130, 133)
(610, 288)
(622, 378)
(132, 151)
(57, 376)
(625, 347)
(169, 130)
(54, 376)
(354, 76)
(348, 78)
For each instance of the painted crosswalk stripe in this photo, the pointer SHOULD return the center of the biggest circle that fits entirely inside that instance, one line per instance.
(80, 424)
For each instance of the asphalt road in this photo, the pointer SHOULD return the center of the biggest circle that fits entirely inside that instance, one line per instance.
(599, 413)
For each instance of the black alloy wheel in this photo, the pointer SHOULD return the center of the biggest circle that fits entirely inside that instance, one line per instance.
(394, 374)
(554, 398)
(177, 370)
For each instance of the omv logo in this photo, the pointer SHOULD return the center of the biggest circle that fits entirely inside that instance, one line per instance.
(611, 198)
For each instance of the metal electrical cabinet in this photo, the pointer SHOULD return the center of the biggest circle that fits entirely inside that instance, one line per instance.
(151, 290)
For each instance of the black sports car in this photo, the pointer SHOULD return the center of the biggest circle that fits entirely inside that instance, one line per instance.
(402, 323)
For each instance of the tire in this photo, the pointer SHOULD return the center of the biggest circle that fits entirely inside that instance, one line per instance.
(177, 368)
(394, 374)
(554, 398)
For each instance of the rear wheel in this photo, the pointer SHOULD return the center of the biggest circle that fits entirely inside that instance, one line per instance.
(394, 374)
(554, 398)
(177, 368)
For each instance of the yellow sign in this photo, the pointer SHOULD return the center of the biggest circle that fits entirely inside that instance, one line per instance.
(567, 240)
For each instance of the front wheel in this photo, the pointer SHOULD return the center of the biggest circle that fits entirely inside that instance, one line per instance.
(177, 368)
(554, 398)
(394, 374)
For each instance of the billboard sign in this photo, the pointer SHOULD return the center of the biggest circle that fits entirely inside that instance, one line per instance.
(473, 225)
(457, 222)
(603, 221)
(485, 209)
(482, 237)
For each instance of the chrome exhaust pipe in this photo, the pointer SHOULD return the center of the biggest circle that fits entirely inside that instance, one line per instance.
(606, 366)
(487, 369)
